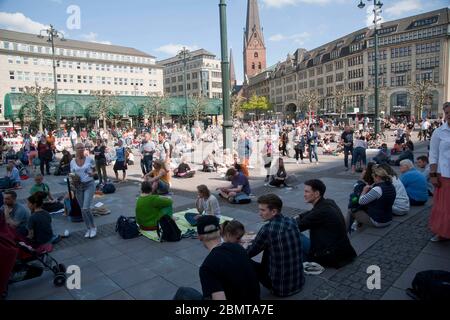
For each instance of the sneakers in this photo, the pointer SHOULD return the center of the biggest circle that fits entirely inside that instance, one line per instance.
(437, 238)
(93, 233)
(88, 233)
(296, 162)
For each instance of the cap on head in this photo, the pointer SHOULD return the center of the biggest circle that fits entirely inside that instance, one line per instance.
(207, 224)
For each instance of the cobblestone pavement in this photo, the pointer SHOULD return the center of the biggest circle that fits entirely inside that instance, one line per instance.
(117, 269)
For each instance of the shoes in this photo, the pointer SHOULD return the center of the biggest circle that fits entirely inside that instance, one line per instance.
(296, 162)
(271, 186)
(437, 238)
(88, 233)
(93, 233)
(317, 162)
(312, 268)
(346, 169)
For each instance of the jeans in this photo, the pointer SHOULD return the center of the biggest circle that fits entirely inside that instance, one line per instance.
(347, 151)
(146, 164)
(101, 169)
(306, 246)
(185, 293)
(85, 195)
(313, 149)
(359, 154)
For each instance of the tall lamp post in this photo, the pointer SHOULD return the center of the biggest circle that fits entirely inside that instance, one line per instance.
(227, 121)
(184, 54)
(52, 33)
(376, 21)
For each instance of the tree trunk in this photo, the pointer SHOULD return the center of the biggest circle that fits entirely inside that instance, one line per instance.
(104, 123)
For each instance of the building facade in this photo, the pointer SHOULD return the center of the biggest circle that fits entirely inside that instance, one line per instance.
(203, 75)
(410, 49)
(26, 60)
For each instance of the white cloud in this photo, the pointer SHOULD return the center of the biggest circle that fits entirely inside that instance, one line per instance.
(284, 3)
(19, 22)
(173, 49)
(92, 37)
(298, 38)
(403, 6)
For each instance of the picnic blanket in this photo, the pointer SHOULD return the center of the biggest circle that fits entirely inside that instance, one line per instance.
(181, 223)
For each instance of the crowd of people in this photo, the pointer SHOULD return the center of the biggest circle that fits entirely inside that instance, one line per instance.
(229, 271)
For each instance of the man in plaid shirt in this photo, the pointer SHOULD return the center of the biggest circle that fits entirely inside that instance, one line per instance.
(281, 267)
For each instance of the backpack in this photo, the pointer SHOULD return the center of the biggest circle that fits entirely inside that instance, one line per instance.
(108, 188)
(127, 227)
(168, 229)
(431, 285)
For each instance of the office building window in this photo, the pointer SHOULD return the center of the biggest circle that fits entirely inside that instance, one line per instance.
(11, 75)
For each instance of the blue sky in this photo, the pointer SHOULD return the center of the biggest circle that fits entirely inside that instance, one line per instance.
(161, 27)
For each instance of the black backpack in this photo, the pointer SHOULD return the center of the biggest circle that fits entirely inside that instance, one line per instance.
(168, 229)
(431, 285)
(108, 188)
(127, 227)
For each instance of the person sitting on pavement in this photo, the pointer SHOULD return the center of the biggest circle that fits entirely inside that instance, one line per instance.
(15, 214)
(226, 273)
(376, 201)
(206, 204)
(159, 177)
(328, 244)
(64, 164)
(279, 178)
(414, 182)
(183, 170)
(151, 207)
(239, 186)
(382, 155)
(281, 267)
(401, 204)
(13, 175)
(326, 148)
(40, 230)
(406, 154)
(423, 167)
(210, 163)
(50, 204)
(232, 231)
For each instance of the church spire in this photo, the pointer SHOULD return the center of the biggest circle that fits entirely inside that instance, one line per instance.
(232, 71)
(253, 24)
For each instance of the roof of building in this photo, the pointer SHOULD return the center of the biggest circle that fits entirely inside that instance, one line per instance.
(192, 54)
(15, 36)
(253, 22)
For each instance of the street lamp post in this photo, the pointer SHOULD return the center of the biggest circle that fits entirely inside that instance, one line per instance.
(376, 10)
(184, 54)
(52, 33)
(227, 121)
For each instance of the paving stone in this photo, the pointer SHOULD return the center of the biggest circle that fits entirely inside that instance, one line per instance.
(395, 294)
(184, 276)
(154, 289)
(93, 290)
(132, 276)
(119, 295)
(116, 264)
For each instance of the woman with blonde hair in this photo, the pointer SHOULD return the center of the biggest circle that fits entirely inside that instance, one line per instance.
(159, 177)
(376, 201)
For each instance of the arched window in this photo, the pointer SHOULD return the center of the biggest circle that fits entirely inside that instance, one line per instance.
(253, 66)
(256, 55)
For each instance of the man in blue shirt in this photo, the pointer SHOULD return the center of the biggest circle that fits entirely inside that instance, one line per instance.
(414, 182)
(239, 185)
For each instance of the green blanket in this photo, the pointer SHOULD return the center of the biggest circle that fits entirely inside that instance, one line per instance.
(181, 223)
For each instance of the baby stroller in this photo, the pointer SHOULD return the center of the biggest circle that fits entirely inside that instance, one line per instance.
(24, 269)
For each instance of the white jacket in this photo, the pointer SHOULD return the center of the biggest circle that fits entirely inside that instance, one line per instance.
(401, 202)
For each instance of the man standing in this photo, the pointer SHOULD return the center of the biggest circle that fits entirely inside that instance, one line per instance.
(281, 267)
(73, 137)
(226, 273)
(347, 142)
(424, 127)
(329, 243)
(147, 149)
(163, 148)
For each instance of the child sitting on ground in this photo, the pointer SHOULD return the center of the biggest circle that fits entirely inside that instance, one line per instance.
(327, 150)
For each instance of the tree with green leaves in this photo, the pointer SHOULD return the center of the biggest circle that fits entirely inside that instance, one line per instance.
(421, 93)
(104, 106)
(198, 105)
(35, 102)
(236, 103)
(257, 104)
(309, 100)
(155, 107)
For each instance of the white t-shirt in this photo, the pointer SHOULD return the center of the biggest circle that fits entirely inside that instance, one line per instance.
(401, 202)
(425, 125)
(83, 171)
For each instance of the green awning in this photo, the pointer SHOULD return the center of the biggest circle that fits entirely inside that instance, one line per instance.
(72, 105)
